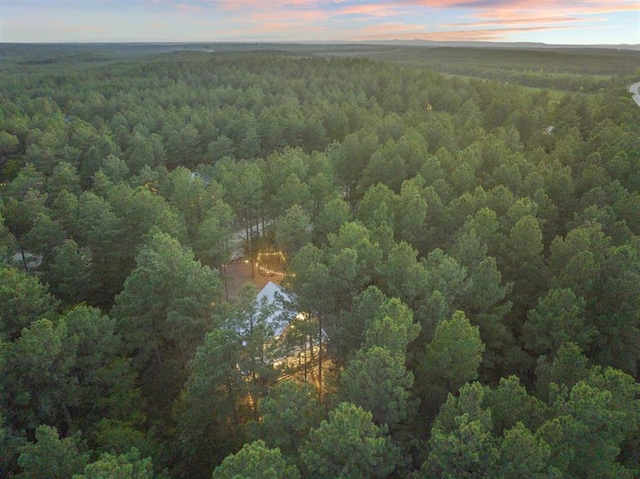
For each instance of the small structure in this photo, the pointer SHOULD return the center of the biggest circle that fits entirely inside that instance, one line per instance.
(275, 296)
(281, 317)
(296, 332)
(30, 261)
(635, 91)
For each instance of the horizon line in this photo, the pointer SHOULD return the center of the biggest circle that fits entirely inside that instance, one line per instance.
(320, 42)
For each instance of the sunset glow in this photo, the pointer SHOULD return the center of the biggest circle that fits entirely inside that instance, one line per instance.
(549, 21)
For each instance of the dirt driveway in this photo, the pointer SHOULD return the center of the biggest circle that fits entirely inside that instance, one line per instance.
(239, 273)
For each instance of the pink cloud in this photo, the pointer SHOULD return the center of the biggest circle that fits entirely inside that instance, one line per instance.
(372, 9)
(528, 11)
(489, 34)
(519, 21)
(372, 20)
(516, 16)
(481, 34)
(472, 13)
(267, 31)
(390, 29)
(244, 5)
(577, 6)
(268, 15)
(251, 11)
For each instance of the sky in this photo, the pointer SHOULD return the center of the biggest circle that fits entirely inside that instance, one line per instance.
(548, 21)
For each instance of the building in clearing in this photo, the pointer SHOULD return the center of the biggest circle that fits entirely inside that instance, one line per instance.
(297, 333)
(273, 295)
(280, 301)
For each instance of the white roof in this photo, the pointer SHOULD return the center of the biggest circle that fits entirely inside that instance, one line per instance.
(274, 295)
(270, 290)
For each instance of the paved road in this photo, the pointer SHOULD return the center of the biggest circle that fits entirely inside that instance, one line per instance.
(635, 89)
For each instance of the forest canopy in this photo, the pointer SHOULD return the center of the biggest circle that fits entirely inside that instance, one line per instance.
(461, 247)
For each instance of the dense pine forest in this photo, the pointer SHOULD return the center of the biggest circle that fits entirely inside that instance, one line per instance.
(460, 235)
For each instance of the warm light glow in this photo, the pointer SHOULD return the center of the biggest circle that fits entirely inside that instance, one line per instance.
(270, 254)
(270, 271)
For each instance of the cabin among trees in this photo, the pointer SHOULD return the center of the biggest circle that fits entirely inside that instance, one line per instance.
(461, 290)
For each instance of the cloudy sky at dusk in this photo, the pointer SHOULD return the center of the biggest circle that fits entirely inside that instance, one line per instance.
(549, 21)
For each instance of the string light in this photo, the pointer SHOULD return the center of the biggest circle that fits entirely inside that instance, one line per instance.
(270, 254)
(264, 270)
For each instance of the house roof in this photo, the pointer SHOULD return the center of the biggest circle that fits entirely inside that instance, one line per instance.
(270, 290)
(274, 295)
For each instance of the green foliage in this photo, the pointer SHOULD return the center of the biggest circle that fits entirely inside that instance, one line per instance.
(594, 416)
(253, 326)
(584, 437)
(367, 306)
(522, 454)
(106, 381)
(190, 196)
(391, 327)
(524, 261)
(93, 224)
(340, 272)
(518, 207)
(115, 169)
(51, 457)
(461, 443)
(377, 381)
(7, 241)
(211, 243)
(117, 435)
(69, 273)
(376, 378)
(213, 405)
(45, 235)
(10, 443)
(68, 374)
(23, 299)
(166, 302)
(332, 216)
(64, 178)
(124, 466)
(255, 461)
(377, 206)
(20, 212)
(567, 367)
(555, 321)
(287, 414)
(510, 404)
(293, 230)
(37, 386)
(450, 360)
(348, 445)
